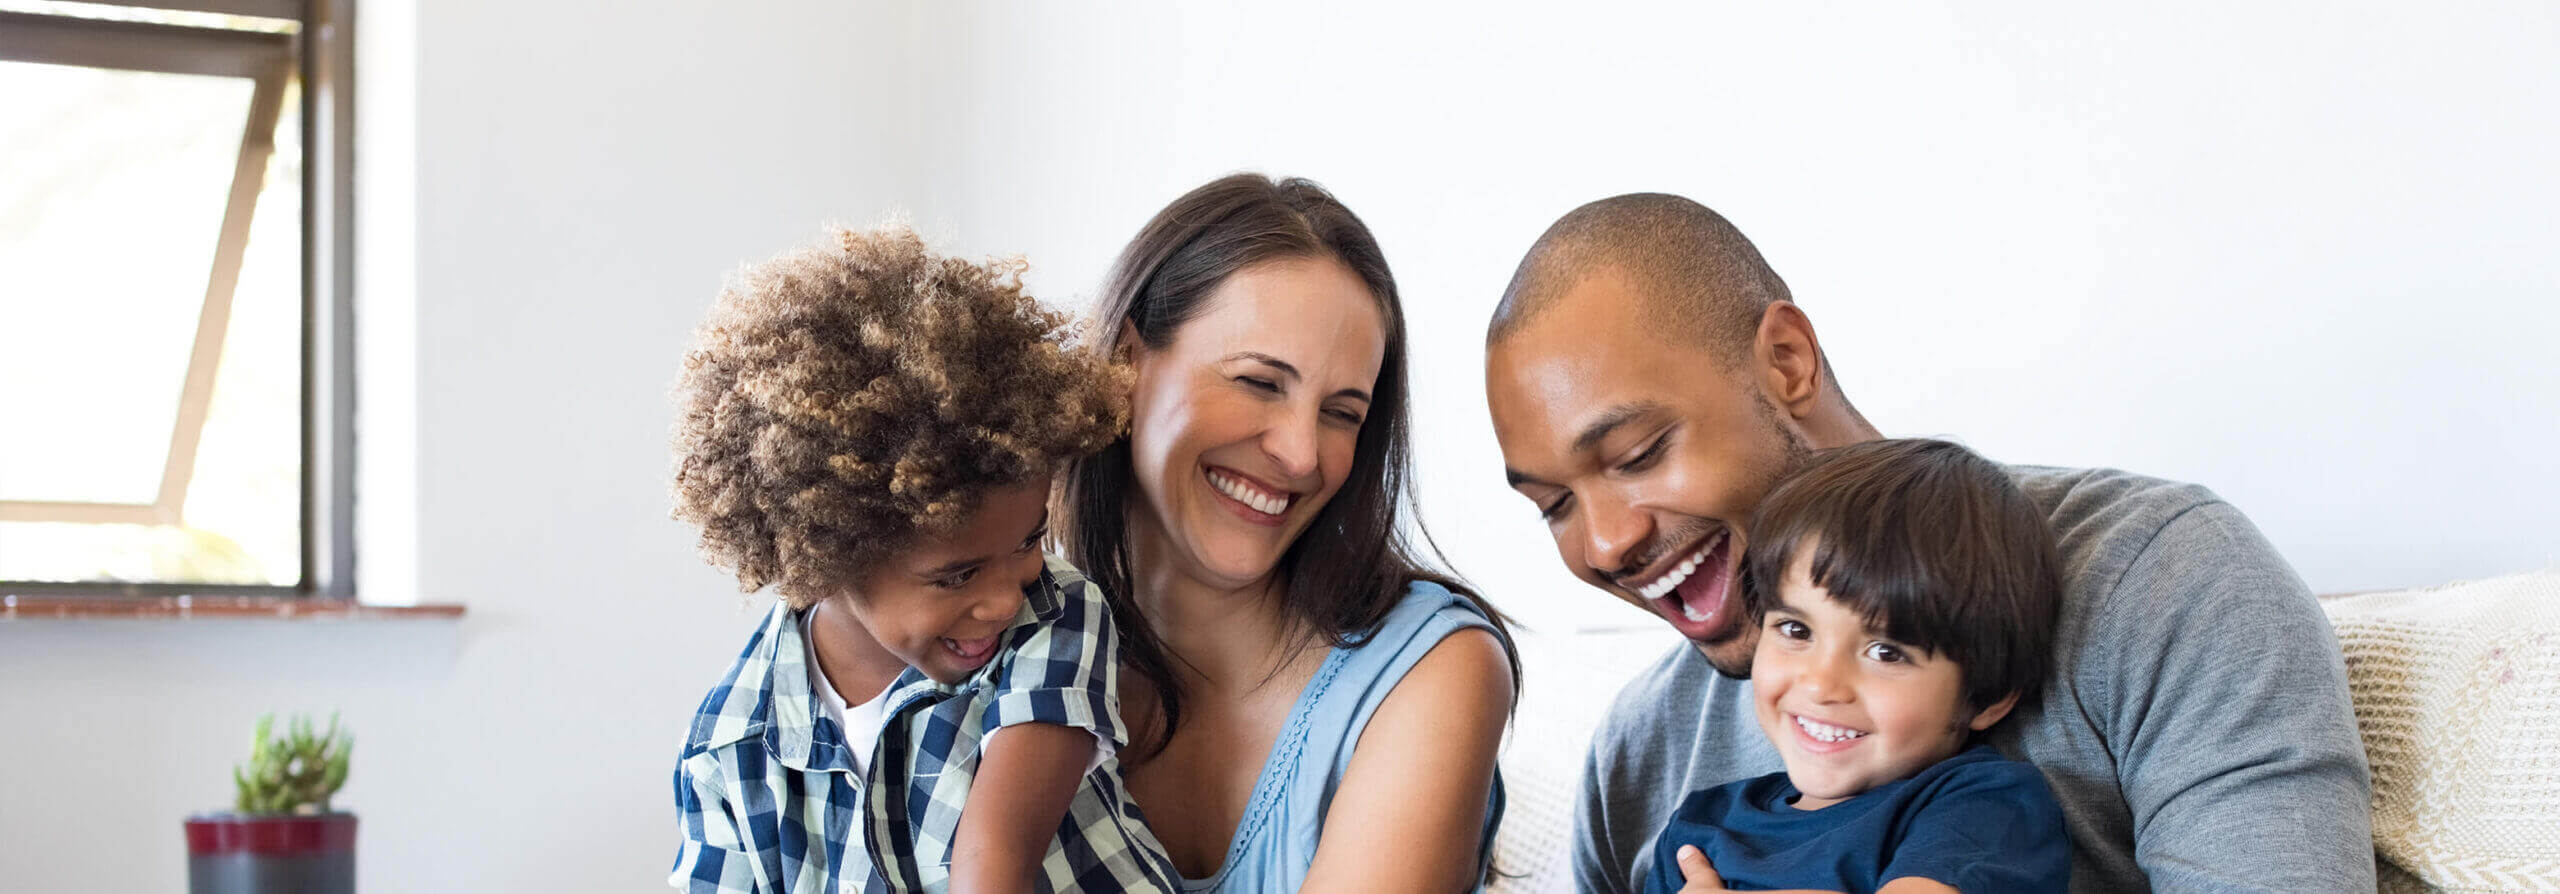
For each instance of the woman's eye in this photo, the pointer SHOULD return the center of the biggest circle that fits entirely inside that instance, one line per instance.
(1345, 416)
(1885, 653)
(1258, 383)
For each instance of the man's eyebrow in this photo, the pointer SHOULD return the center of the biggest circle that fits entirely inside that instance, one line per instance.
(1292, 372)
(1610, 421)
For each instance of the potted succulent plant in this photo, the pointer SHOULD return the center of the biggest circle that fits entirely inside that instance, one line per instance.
(281, 837)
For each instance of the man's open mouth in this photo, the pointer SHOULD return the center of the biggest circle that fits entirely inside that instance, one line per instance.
(1694, 594)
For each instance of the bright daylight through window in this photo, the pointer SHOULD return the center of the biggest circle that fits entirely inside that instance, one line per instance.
(154, 383)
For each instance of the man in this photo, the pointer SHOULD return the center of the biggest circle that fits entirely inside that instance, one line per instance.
(1649, 376)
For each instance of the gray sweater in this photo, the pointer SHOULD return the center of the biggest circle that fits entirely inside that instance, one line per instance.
(2197, 730)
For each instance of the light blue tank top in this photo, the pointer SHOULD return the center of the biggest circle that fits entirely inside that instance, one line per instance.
(1276, 841)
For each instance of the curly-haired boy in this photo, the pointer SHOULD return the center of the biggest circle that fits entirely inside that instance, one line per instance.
(873, 429)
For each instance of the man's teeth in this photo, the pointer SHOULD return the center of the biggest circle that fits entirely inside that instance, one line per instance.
(1246, 494)
(1826, 732)
(1678, 574)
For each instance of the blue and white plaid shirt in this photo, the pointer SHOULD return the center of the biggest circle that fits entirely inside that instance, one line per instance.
(768, 797)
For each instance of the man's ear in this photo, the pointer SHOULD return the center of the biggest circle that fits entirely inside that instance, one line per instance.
(1789, 358)
(1983, 719)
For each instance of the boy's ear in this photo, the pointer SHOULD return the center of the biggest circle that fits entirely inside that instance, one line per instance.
(1983, 719)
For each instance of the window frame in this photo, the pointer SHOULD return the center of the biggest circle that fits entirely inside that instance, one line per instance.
(320, 51)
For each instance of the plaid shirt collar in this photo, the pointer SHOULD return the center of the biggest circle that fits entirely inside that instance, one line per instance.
(795, 730)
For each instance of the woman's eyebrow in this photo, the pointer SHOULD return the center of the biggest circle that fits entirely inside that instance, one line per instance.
(1266, 360)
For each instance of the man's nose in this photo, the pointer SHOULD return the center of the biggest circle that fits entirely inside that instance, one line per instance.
(1614, 535)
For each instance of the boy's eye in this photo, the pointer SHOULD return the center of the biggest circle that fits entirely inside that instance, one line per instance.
(1792, 629)
(1032, 542)
(957, 580)
(1886, 653)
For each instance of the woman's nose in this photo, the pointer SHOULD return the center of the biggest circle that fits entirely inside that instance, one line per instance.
(1290, 443)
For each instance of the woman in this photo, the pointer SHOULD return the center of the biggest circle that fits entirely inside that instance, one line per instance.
(1315, 709)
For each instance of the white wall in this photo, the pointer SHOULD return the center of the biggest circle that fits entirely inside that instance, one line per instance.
(2301, 255)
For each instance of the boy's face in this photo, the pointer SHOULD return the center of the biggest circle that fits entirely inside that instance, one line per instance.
(943, 604)
(1847, 708)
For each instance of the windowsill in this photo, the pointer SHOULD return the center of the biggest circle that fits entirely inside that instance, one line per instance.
(182, 608)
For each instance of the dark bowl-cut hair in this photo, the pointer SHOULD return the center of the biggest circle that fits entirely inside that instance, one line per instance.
(1931, 544)
(1352, 565)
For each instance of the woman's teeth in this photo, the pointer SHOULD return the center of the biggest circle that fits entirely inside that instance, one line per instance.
(1826, 732)
(1679, 573)
(1248, 494)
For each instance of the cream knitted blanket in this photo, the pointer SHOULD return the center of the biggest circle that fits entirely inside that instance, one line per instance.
(2457, 693)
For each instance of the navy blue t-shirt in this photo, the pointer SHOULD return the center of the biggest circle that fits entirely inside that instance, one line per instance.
(1977, 821)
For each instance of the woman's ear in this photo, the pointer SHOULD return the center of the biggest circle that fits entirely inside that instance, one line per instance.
(1125, 343)
(1983, 719)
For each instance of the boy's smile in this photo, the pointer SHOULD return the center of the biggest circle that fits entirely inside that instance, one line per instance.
(943, 604)
(1847, 708)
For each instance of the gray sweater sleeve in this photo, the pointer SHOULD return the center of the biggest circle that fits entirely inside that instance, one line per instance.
(1598, 868)
(2222, 690)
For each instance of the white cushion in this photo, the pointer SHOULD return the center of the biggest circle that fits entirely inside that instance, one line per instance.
(2457, 694)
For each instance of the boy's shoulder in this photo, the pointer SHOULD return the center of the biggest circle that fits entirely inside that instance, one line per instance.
(740, 706)
(1980, 773)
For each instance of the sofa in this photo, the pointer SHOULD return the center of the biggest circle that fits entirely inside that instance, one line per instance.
(2457, 695)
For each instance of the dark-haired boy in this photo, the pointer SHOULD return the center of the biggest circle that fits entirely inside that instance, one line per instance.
(1906, 596)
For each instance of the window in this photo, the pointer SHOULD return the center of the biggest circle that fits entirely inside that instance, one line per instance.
(174, 372)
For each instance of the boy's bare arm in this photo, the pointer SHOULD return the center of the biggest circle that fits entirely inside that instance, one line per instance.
(1021, 793)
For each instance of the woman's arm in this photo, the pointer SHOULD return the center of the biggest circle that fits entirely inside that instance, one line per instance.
(1410, 814)
(1019, 796)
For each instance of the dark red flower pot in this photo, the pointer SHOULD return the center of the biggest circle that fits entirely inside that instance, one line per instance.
(229, 853)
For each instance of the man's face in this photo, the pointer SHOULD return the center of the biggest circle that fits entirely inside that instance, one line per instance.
(1643, 455)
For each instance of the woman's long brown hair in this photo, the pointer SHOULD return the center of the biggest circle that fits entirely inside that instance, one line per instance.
(1352, 565)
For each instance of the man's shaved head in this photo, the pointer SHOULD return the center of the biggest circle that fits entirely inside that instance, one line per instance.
(1700, 278)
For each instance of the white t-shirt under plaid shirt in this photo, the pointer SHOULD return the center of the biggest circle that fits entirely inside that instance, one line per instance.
(769, 800)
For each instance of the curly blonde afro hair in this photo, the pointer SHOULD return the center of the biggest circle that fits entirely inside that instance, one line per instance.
(857, 393)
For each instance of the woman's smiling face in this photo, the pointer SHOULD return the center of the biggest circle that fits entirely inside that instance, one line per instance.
(1246, 422)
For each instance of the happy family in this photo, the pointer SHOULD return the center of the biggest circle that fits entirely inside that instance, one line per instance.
(1134, 603)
